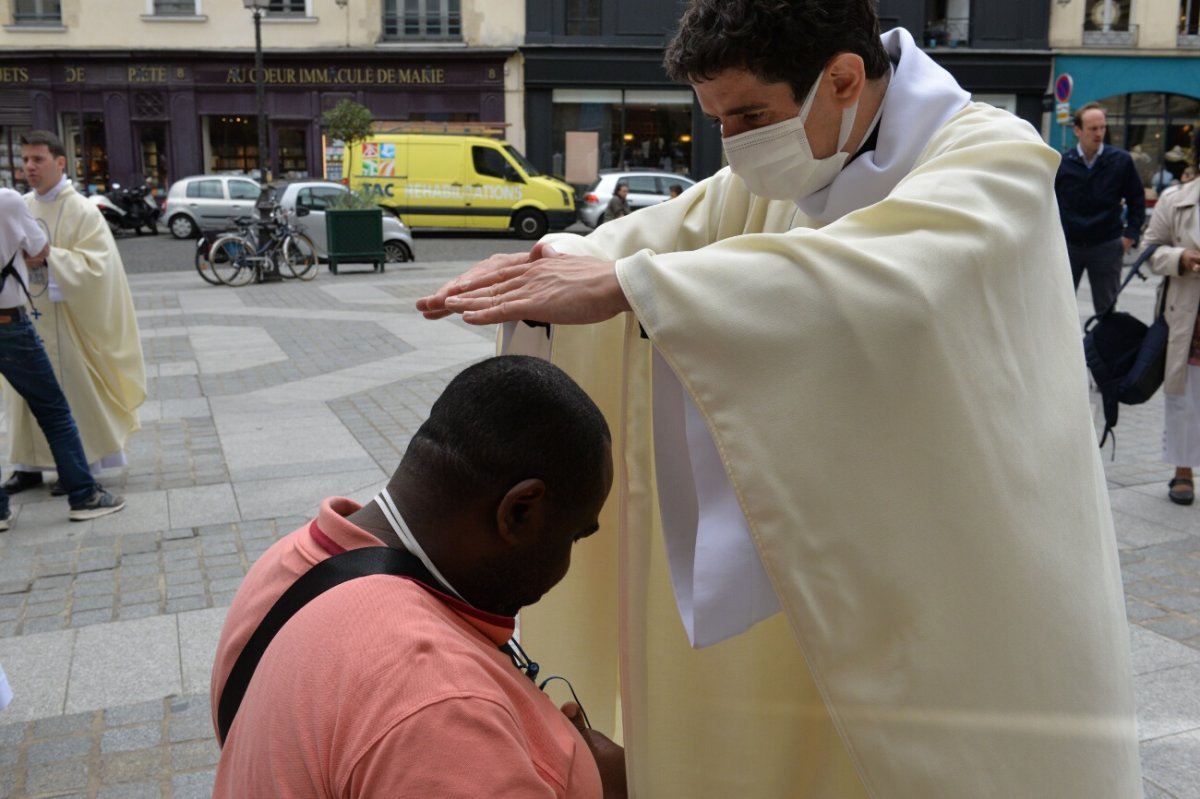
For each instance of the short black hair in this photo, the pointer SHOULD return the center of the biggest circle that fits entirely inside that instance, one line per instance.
(779, 41)
(1084, 109)
(44, 137)
(508, 419)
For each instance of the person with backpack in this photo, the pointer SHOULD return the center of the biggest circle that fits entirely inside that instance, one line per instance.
(1175, 227)
(27, 370)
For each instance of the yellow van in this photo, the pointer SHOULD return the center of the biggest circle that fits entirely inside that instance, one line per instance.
(459, 182)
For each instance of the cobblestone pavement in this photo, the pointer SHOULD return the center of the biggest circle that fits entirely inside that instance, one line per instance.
(265, 399)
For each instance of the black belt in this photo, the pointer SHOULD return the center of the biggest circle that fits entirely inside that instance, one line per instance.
(10, 315)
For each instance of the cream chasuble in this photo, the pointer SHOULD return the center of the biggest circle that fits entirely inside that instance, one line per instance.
(91, 336)
(899, 404)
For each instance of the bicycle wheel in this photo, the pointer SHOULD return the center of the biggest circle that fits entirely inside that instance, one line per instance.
(233, 260)
(299, 257)
(203, 265)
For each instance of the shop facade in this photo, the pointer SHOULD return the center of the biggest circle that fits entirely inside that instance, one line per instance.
(1152, 105)
(146, 116)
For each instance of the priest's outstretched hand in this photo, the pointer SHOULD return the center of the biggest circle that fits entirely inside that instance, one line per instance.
(539, 286)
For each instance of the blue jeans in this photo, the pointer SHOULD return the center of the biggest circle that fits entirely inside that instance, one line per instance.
(25, 365)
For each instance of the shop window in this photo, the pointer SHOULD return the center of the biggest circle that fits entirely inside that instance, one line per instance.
(37, 12)
(291, 144)
(1107, 23)
(154, 155)
(12, 172)
(637, 129)
(87, 153)
(583, 17)
(422, 19)
(1158, 131)
(175, 8)
(1189, 23)
(234, 143)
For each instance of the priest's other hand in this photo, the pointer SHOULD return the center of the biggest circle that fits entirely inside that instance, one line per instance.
(539, 286)
(610, 758)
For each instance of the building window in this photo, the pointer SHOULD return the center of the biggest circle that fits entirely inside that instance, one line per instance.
(583, 17)
(947, 23)
(422, 19)
(288, 8)
(1189, 23)
(37, 12)
(1106, 23)
(175, 8)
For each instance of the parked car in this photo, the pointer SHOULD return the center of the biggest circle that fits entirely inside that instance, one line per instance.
(307, 200)
(208, 202)
(646, 187)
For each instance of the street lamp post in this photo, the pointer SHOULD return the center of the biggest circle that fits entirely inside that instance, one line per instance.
(259, 7)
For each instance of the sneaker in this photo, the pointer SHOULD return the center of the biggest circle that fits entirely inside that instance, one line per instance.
(6, 520)
(101, 503)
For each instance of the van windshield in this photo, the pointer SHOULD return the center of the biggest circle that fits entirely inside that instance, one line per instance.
(529, 168)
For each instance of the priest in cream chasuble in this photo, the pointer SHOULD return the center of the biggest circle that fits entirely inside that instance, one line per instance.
(89, 326)
(857, 462)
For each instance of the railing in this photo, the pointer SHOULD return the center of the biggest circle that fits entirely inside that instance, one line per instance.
(949, 32)
(1111, 38)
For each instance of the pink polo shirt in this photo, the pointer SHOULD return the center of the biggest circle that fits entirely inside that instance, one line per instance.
(383, 687)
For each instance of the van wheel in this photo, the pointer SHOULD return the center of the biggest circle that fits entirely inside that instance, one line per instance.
(530, 224)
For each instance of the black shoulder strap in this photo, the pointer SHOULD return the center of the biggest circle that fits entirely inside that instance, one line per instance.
(1134, 271)
(320, 578)
(11, 271)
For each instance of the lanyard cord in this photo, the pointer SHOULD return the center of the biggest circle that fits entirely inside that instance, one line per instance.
(384, 500)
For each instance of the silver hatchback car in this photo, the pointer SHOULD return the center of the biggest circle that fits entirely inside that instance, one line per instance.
(306, 202)
(208, 202)
(646, 187)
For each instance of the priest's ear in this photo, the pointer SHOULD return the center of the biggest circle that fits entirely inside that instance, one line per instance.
(848, 74)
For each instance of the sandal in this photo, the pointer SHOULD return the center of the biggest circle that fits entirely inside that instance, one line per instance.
(1184, 496)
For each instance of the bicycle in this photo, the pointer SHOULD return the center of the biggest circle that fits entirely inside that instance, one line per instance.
(238, 258)
(244, 226)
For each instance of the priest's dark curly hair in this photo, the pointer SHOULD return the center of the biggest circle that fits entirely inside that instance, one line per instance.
(777, 40)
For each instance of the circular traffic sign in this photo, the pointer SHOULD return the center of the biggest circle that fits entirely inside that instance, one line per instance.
(1062, 88)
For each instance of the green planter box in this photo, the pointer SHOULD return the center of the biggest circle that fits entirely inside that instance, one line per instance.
(355, 237)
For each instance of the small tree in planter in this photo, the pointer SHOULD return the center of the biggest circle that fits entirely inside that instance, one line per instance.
(348, 121)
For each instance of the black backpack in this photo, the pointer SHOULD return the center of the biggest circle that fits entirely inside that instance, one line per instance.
(1126, 357)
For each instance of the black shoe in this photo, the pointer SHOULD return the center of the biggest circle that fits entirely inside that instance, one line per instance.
(101, 503)
(56, 489)
(21, 481)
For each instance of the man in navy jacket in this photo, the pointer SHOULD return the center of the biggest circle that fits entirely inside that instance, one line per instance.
(1102, 204)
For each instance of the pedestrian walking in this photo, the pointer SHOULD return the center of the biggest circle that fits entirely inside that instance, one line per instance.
(1102, 203)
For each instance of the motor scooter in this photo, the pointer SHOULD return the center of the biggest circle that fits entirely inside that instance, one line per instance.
(128, 208)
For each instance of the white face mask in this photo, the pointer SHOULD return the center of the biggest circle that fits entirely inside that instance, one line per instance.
(777, 162)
